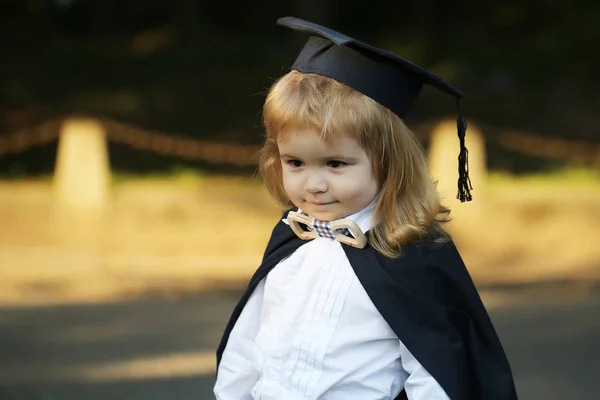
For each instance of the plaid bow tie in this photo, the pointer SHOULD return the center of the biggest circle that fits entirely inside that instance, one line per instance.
(344, 231)
(323, 229)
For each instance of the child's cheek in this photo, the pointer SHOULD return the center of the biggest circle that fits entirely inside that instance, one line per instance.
(291, 183)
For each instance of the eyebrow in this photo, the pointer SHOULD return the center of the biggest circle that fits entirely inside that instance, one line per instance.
(329, 157)
(286, 155)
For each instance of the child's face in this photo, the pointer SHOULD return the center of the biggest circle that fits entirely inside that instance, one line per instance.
(328, 180)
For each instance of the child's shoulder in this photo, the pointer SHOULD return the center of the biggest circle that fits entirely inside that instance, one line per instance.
(431, 264)
(437, 244)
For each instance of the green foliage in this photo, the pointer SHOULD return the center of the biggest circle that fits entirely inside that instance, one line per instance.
(202, 68)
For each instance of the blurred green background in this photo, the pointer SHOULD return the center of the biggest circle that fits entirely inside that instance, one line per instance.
(201, 69)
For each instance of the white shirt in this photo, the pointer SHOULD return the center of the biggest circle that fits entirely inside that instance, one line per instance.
(310, 331)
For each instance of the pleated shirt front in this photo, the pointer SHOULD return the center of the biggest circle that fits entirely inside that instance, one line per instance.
(310, 331)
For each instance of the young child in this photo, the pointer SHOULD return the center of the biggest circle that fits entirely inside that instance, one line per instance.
(361, 294)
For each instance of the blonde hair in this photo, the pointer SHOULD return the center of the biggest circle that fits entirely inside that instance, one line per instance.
(408, 204)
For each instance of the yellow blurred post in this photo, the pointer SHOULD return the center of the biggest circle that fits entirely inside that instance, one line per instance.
(443, 163)
(82, 172)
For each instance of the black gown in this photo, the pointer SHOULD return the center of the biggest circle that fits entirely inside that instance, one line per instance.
(428, 299)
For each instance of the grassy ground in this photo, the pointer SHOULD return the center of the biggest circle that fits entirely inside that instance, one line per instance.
(177, 234)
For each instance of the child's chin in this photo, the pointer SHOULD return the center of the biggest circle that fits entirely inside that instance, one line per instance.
(327, 215)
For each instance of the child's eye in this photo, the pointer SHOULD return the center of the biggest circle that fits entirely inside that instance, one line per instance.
(336, 164)
(294, 163)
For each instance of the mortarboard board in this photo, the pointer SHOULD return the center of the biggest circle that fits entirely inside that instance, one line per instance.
(383, 76)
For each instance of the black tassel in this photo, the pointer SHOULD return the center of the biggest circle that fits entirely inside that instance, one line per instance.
(464, 182)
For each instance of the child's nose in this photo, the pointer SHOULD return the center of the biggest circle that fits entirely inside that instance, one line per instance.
(315, 183)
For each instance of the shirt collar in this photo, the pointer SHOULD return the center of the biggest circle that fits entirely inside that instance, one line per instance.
(363, 218)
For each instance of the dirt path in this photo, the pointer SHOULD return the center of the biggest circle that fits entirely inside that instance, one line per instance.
(164, 349)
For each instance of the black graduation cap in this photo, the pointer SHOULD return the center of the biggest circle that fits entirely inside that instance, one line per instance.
(385, 77)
